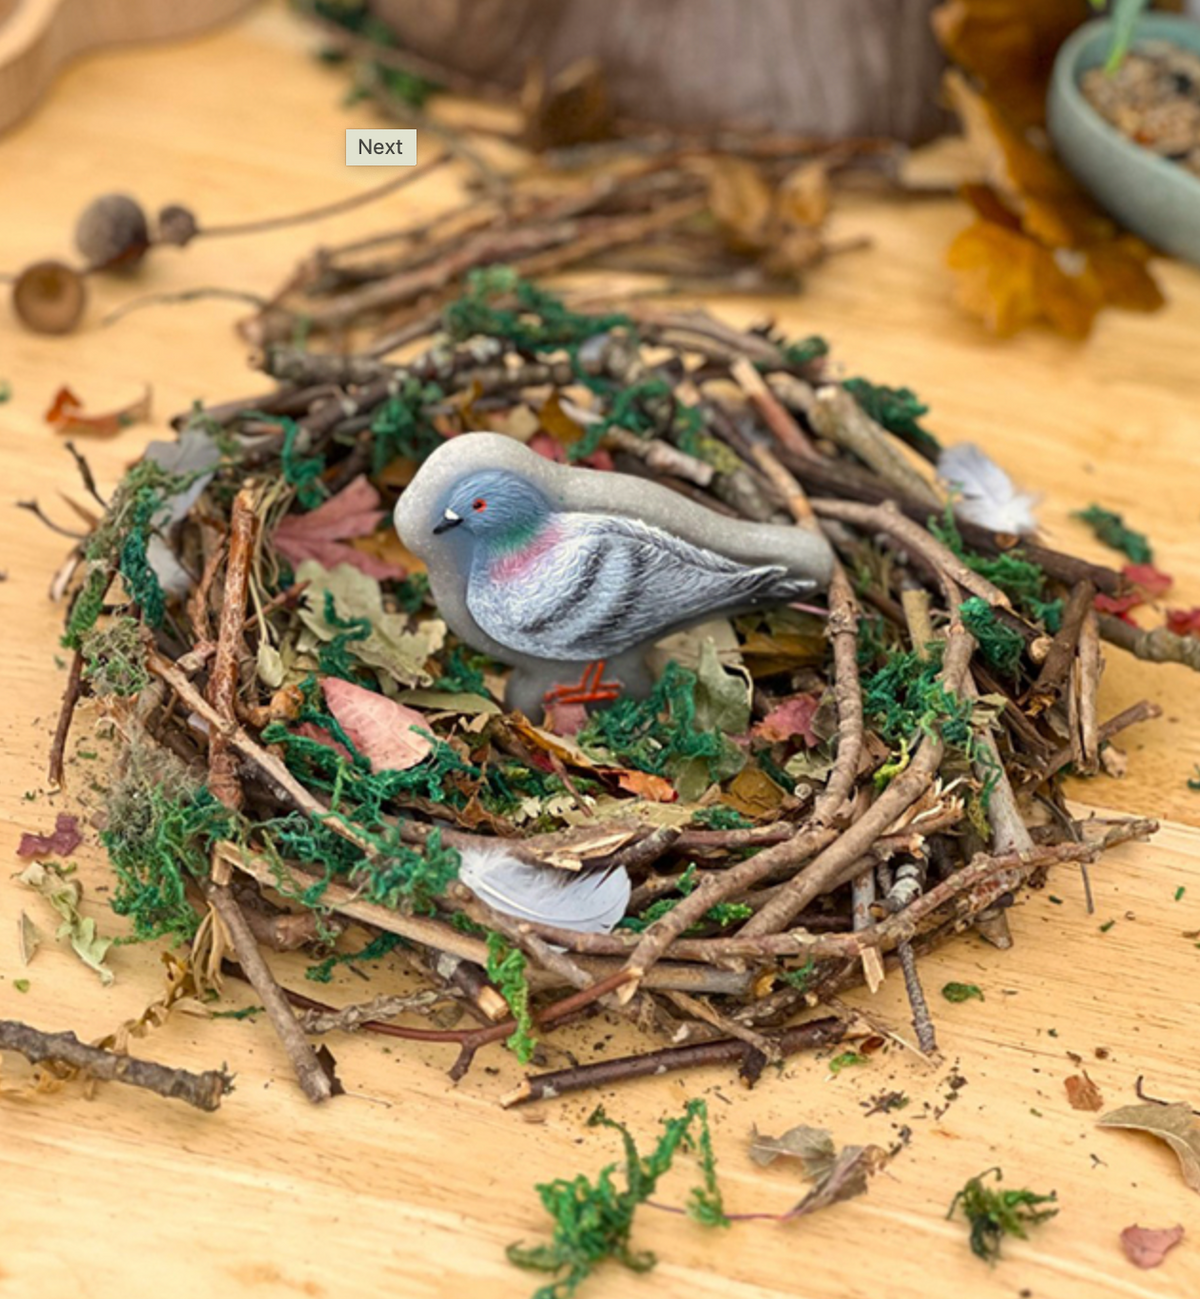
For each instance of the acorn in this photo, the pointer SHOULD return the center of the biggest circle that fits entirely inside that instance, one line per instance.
(177, 225)
(49, 297)
(112, 232)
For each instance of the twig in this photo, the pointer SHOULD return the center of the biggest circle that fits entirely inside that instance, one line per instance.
(1157, 646)
(223, 682)
(775, 415)
(1087, 682)
(313, 1079)
(325, 210)
(203, 1090)
(1143, 711)
(66, 712)
(351, 1018)
(546, 1086)
(887, 518)
(828, 869)
(1056, 666)
(922, 1021)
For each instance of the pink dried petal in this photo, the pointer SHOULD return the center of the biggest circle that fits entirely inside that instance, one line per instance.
(65, 839)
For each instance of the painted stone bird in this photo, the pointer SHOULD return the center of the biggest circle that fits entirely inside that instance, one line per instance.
(557, 582)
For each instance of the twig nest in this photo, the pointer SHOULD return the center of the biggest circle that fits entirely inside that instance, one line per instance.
(112, 231)
(49, 297)
(177, 225)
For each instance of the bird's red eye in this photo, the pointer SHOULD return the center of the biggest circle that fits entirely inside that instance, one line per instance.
(479, 504)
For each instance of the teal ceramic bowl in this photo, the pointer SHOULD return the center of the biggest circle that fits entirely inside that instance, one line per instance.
(1151, 196)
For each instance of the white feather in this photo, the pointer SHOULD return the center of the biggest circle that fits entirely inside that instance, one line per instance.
(989, 497)
(588, 902)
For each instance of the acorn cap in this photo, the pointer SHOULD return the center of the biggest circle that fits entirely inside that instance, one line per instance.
(112, 231)
(49, 297)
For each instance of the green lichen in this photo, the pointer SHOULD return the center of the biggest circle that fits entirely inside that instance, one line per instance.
(115, 659)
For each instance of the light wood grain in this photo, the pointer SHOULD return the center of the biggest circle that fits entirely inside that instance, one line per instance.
(411, 1187)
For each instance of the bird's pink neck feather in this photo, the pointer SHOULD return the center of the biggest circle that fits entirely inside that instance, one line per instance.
(518, 562)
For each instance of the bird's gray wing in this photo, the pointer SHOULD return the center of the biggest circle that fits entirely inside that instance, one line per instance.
(612, 583)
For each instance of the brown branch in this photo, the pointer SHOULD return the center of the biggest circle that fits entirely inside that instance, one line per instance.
(203, 1090)
(888, 518)
(1087, 685)
(223, 781)
(66, 712)
(1156, 646)
(831, 867)
(546, 1086)
(1052, 679)
(922, 1021)
(313, 1079)
(1143, 711)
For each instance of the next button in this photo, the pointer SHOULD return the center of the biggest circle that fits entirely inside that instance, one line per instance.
(381, 147)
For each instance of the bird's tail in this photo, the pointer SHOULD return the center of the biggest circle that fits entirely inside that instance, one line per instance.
(788, 588)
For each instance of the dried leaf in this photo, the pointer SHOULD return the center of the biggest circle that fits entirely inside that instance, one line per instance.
(450, 701)
(722, 695)
(845, 1179)
(323, 533)
(66, 415)
(741, 202)
(791, 719)
(381, 730)
(64, 895)
(65, 838)
(1184, 622)
(655, 789)
(269, 665)
(813, 1147)
(1082, 1093)
(571, 108)
(398, 654)
(753, 793)
(803, 196)
(1041, 250)
(28, 938)
(1146, 1247)
(1174, 1124)
(1008, 46)
(1149, 579)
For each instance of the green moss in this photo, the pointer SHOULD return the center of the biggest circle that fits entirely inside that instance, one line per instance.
(593, 1221)
(1001, 646)
(301, 472)
(1110, 528)
(506, 969)
(115, 659)
(994, 1213)
(899, 410)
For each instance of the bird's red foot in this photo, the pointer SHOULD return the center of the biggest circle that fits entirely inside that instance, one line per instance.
(591, 688)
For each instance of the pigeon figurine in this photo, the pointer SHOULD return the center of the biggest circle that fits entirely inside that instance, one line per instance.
(570, 575)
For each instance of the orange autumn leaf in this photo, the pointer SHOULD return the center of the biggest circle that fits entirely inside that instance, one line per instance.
(1008, 46)
(654, 789)
(66, 415)
(1040, 250)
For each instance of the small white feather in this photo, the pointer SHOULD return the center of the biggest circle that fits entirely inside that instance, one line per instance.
(988, 496)
(588, 902)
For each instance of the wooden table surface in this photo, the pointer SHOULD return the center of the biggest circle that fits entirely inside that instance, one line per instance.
(410, 1186)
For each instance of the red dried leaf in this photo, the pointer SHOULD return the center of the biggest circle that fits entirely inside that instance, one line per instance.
(323, 533)
(1120, 604)
(66, 414)
(1148, 579)
(65, 839)
(565, 719)
(549, 448)
(791, 719)
(1147, 1246)
(311, 731)
(1082, 1093)
(1184, 622)
(380, 729)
